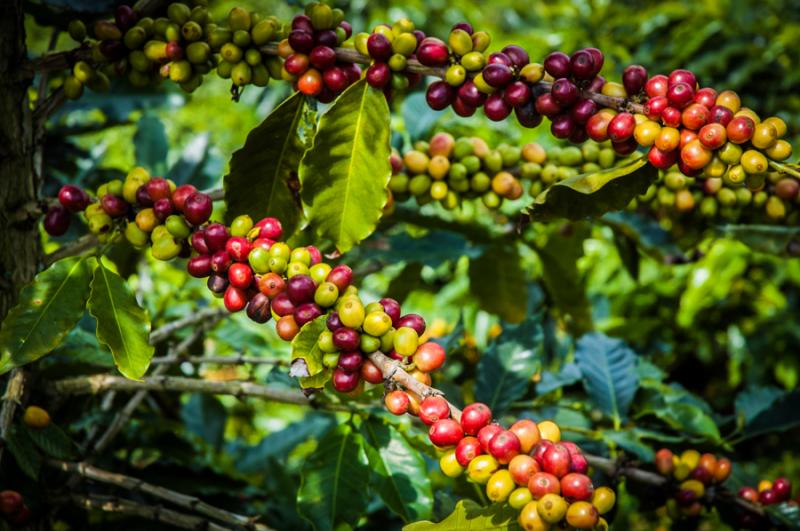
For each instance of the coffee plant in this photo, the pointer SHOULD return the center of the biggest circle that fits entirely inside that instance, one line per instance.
(480, 321)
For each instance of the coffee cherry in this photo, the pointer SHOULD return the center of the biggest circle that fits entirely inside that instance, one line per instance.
(603, 499)
(73, 198)
(333, 322)
(552, 508)
(432, 52)
(481, 468)
(528, 434)
(564, 92)
(36, 417)
(496, 108)
(282, 305)
(235, 299)
(341, 276)
(217, 284)
(370, 373)
(346, 339)
(556, 460)
(306, 313)
(655, 107)
(240, 275)
(577, 487)
(220, 262)
(486, 434)
(433, 408)
(581, 65)
(695, 155)
(530, 520)
(657, 86)
(522, 468)
(449, 464)
(57, 220)
(504, 446)
(500, 486)
(197, 208)
(782, 488)
(445, 432)
(557, 64)
(345, 382)
(582, 515)
(350, 361)
(621, 127)
(258, 308)
(682, 76)
(428, 357)
(547, 105)
(114, 206)
(468, 449)
(583, 110)
(634, 78)
(695, 116)
(11, 502)
(519, 498)
(300, 289)
(474, 417)
(396, 402)
(543, 483)
(680, 95)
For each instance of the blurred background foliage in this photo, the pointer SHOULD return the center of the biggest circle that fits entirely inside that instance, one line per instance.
(710, 334)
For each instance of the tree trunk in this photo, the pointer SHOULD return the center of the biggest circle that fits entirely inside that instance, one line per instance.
(19, 240)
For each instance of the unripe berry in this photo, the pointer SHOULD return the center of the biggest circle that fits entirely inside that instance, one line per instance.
(582, 515)
(522, 468)
(528, 434)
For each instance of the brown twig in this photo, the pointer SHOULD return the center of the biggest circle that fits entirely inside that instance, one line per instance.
(185, 501)
(238, 359)
(201, 316)
(78, 247)
(156, 513)
(15, 389)
(99, 383)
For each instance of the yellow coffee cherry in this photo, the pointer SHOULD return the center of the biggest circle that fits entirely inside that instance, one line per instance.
(481, 468)
(450, 465)
(36, 417)
(764, 136)
(780, 125)
(549, 431)
(754, 161)
(780, 150)
(552, 508)
(500, 486)
(646, 132)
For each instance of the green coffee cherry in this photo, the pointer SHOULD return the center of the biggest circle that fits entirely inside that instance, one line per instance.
(177, 226)
(326, 294)
(77, 30)
(73, 88)
(241, 74)
(460, 41)
(135, 235)
(179, 13)
(263, 32)
(325, 342)
(239, 19)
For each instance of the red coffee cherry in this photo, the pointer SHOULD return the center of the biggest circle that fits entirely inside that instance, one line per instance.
(445, 432)
(556, 460)
(468, 449)
(197, 208)
(370, 373)
(432, 52)
(180, 195)
(344, 381)
(235, 299)
(474, 417)
(350, 361)
(73, 198)
(429, 356)
(487, 433)
(542, 483)
(504, 446)
(396, 402)
(433, 408)
(306, 313)
(557, 64)
(621, 127)
(657, 86)
(576, 487)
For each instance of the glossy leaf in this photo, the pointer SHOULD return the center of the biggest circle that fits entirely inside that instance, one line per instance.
(259, 180)
(48, 308)
(609, 373)
(496, 279)
(122, 325)
(344, 176)
(568, 375)
(782, 415)
(150, 141)
(335, 480)
(769, 239)
(593, 194)
(469, 516)
(400, 476)
(754, 400)
(784, 514)
(506, 369)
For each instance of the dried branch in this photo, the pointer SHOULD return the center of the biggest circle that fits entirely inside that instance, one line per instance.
(239, 359)
(156, 513)
(15, 388)
(98, 383)
(78, 247)
(185, 501)
(201, 316)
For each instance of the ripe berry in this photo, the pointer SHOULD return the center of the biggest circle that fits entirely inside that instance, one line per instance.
(522, 468)
(396, 401)
(695, 155)
(371, 373)
(158, 188)
(557, 64)
(749, 493)
(474, 417)
(565, 92)
(114, 206)
(412, 320)
(282, 305)
(581, 65)
(429, 356)
(258, 308)
(597, 126)
(220, 262)
(695, 116)
(432, 52)
(543, 483)
(163, 209)
(180, 195)
(504, 446)
(713, 135)
(216, 236)
(782, 488)
(310, 82)
(350, 361)
(57, 220)
(706, 97)
(468, 449)
(768, 497)
(519, 57)
(235, 299)
(240, 275)
(496, 108)
(433, 408)
(73, 198)
(344, 381)
(10, 502)
(333, 322)
(197, 208)
(634, 78)
(577, 487)
(671, 117)
(306, 313)
(562, 126)
(300, 289)
(556, 460)
(655, 107)
(583, 110)
(392, 309)
(341, 276)
(621, 127)
(445, 432)
(379, 75)
(497, 75)
(657, 86)
(528, 434)
(199, 266)
(517, 93)
(680, 95)
(582, 515)
(346, 339)
(599, 59)
(487, 433)
(683, 76)
(470, 95)
(217, 284)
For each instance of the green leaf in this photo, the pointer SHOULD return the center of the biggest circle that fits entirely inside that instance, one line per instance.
(609, 373)
(506, 369)
(783, 414)
(205, 416)
(335, 480)
(122, 325)
(54, 442)
(81, 346)
(645, 231)
(771, 239)
(23, 449)
(48, 308)
(784, 514)
(345, 174)
(399, 471)
(496, 278)
(756, 399)
(259, 180)
(562, 280)
(151, 144)
(593, 194)
(305, 347)
(631, 442)
(567, 375)
(686, 418)
(469, 516)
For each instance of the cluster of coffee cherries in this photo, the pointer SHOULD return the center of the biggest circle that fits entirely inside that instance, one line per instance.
(150, 210)
(702, 131)
(310, 61)
(694, 472)
(768, 492)
(763, 198)
(390, 47)
(526, 466)
(13, 508)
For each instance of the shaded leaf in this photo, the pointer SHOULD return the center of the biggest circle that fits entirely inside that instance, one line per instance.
(593, 194)
(506, 369)
(568, 375)
(335, 480)
(122, 325)
(628, 253)
(54, 442)
(151, 144)
(399, 471)
(771, 239)
(22, 447)
(81, 346)
(756, 399)
(784, 514)
(205, 416)
(468, 515)
(495, 279)
(345, 174)
(609, 373)
(645, 231)
(783, 414)
(48, 308)
(259, 180)
(631, 442)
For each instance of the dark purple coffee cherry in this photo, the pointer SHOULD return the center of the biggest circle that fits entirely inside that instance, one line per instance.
(497, 75)
(583, 110)
(557, 64)
(57, 220)
(114, 206)
(73, 198)
(527, 115)
(346, 339)
(565, 92)
(466, 26)
(326, 38)
(462, 108)
(562, 126)
(216, 236)
(163, 209)
(439, 95)
(581, 65)
(379, 75)
(597, 55)
(499, 58)
(258, 308)
(379, 47)
(517, 93)
(282, 305)
(300, 289)
(495, 108)
(306, 312)
(412, 320)
(199, 266)
(546, 105)
(217, 284)
(633, 79)
(470, 94)
(333, 322)
(301, 41)
(350, 361)
(519, 57)
(392, 309)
